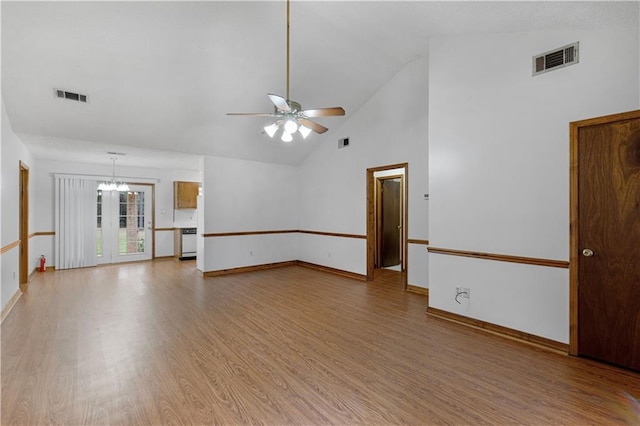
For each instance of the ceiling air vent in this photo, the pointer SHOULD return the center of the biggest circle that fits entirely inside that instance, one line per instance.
(70, 95)
(556, 59)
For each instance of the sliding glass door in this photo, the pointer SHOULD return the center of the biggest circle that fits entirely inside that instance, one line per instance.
(124, 225)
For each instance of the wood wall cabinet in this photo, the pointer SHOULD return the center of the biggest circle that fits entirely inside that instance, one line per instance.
(185, 195)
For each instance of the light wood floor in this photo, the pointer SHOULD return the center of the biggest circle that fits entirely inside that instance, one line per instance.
(154, 343)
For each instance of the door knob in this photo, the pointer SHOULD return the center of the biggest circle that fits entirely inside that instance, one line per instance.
(587, 252)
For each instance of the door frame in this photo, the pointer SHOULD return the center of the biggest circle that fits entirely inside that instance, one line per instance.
(24, 226)
(574, 216)
(371, 213)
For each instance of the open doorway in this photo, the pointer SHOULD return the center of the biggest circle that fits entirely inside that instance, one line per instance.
(387, 222)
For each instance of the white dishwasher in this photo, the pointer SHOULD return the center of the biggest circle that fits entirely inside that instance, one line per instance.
(189, 243)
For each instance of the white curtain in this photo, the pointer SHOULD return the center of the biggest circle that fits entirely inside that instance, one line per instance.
(76, 222)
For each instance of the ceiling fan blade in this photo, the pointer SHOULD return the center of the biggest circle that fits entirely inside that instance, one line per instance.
(318, 128)
(279, 102)
(254, 114)
(323, 112)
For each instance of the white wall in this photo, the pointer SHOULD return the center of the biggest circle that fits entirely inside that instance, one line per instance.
(390, 128)
(42, 186)
(499, 165)
(248, 196)
(332, 251)
(3, 117)
(13, 151)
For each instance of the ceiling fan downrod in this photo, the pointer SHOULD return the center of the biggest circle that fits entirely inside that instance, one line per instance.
(288, 44)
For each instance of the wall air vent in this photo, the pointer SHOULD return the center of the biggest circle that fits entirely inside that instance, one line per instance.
(70, 95)
(556, 59)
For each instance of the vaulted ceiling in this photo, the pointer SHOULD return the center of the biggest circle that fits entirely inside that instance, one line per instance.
(160, 76)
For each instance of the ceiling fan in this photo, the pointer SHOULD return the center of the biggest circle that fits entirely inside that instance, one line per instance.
(289, 114)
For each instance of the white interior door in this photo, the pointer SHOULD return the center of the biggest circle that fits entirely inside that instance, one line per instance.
(124, 225)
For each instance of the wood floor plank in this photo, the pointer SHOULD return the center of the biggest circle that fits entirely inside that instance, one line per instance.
(156, 343)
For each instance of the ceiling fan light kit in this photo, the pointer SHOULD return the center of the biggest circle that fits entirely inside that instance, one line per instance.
(289, 115)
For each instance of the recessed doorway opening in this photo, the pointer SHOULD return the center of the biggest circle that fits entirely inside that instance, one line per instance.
(387, 221)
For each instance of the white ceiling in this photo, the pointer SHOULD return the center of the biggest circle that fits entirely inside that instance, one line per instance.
(160, 76)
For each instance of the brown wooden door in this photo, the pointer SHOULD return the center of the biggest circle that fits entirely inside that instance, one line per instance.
(24, 227)
(390, 223)
(608, 239)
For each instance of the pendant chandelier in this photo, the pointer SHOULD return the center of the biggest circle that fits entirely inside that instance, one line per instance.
(112, 184)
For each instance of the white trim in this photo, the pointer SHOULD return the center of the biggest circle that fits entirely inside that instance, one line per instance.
(104, 177)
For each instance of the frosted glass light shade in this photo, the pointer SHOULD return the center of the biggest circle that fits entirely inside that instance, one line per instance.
(290, 126)
(271, 129)
(286, 136)
(304, 131)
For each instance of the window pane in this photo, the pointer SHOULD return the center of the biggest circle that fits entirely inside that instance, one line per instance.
(132, 235)
(99, 242)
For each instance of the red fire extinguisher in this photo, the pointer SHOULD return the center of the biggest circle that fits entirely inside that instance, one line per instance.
(43, 261)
